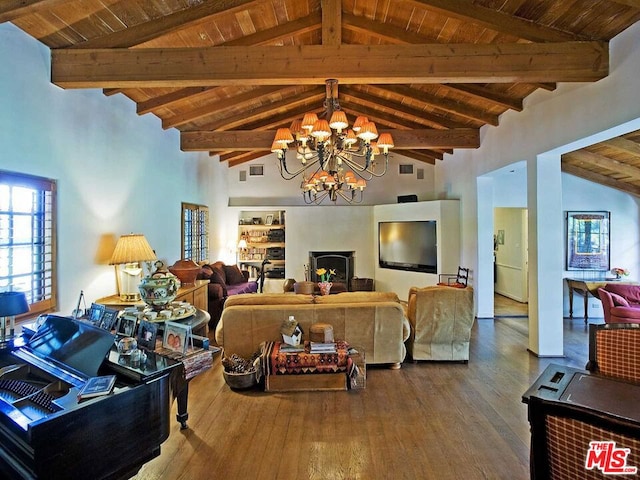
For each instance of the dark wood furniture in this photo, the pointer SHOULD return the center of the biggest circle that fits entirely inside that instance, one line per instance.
(568, 409)
(46, 432)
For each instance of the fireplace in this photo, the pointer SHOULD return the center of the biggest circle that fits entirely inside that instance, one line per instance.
(341, 262)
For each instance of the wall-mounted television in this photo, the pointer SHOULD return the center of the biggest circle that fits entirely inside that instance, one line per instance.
(410, 245)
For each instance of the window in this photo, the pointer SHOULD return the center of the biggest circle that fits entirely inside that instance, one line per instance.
(195, 232)
(28, 238)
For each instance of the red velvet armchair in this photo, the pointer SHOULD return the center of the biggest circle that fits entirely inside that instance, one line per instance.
(621, 303)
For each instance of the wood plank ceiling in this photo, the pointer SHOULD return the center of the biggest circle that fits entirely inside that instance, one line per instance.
(227, 73)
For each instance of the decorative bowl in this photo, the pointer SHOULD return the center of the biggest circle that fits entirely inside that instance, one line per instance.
(240, 381)
(159, 290)
(186, 271)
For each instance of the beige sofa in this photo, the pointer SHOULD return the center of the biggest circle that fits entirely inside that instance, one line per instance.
(441, 318)
(374, 321)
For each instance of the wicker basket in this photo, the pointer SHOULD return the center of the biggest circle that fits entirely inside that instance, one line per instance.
(241, 381)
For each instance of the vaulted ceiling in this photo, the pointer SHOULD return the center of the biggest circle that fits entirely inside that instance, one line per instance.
(227, 73)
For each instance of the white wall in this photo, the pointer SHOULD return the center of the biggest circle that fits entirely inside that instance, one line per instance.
(447, 215)
(272, 190)
(117, 172)
(550, 120)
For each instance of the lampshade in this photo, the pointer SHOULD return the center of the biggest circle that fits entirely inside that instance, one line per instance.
(309, 120)
(283, 137)
(338, 121)
(385, 141)
(13, 303)
(321, 130)
(360, 121)
(132, 248)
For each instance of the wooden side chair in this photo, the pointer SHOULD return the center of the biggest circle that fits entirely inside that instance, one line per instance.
(460, 279)
(614, 350)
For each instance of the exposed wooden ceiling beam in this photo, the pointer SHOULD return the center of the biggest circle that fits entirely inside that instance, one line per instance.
(467, 11)
(590, 159)
(144, 32)
(486, 95)
(12, 9)
(307, 64)
(440, 103)
(420, 155)
(382, 119)
(624, 145)
(399, 109)
(244, 99)
(238, 158)
(628, 3)
(384, 31)
(265, 111)
(168, 99)
(243, 140)
(307, 24)
(601, 179)
(331, 22)
(281, 119)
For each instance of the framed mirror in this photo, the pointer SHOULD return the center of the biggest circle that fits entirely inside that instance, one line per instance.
(588, 241)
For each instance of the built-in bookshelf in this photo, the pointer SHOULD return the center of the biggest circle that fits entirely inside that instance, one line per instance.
(261, 235)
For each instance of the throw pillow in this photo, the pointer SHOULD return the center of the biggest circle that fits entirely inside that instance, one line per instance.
(234, 275)
(205, 272)
(218, 276)
(618, 300)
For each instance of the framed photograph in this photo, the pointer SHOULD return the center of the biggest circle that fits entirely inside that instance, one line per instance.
(95, 313)
(256, 221)
(127, 325)
(108, 320)
(147, 334)
(588, 241)
(176, 337)
(269, 220)
(500, 237)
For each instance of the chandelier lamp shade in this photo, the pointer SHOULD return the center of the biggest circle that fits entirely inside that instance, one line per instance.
(335, 160)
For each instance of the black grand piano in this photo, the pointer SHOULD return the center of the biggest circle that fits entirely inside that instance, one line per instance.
(47, 433)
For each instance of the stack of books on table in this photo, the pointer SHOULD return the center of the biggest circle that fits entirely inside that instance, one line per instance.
(319, 347)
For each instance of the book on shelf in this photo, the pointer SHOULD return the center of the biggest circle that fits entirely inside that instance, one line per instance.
(97, 386)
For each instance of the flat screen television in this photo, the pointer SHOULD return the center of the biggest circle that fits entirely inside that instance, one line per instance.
(410, 245)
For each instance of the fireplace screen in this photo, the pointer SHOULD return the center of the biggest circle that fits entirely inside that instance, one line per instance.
(341, 262)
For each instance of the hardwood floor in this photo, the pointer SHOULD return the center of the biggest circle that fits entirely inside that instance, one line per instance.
(424, 421)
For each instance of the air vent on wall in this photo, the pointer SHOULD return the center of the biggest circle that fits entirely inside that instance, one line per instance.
(256, 170)
(405, 169)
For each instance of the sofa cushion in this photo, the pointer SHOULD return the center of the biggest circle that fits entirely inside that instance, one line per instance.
(630, 292)
(269, 299)
(234, 275)
(357, 297)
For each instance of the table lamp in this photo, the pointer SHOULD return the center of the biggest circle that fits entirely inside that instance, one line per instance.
(129, 252)
(11, 304)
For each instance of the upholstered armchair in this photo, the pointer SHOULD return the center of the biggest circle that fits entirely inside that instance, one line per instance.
(441, 318)
(620, 303)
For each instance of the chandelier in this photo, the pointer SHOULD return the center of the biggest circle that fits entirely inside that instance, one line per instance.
(335, 161)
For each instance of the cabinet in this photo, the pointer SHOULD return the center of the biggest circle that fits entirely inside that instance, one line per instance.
(261, 236)
(197, 295)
